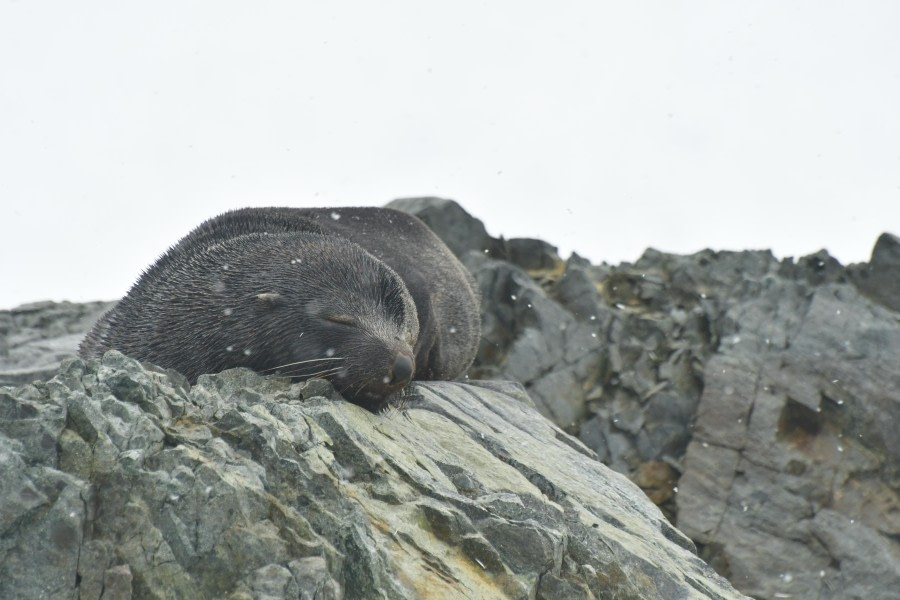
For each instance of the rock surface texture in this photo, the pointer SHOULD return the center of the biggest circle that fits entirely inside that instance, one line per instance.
(122, 481)
(35, 338)
(756, 401)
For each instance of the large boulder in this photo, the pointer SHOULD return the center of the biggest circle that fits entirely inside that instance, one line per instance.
(122, 481)
(755, 399)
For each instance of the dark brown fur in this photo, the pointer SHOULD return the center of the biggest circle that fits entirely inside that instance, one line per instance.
(356, 295)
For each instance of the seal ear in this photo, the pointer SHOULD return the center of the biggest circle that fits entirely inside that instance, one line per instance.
(269, 299)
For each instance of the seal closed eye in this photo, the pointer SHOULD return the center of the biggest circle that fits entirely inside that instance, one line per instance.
(369, 298)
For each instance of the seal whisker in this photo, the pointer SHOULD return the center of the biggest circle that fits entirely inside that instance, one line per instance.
(323, 373)
(330, 289)
(358, 390)
(301, 362)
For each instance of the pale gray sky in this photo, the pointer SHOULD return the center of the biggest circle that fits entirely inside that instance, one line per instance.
(600, 127)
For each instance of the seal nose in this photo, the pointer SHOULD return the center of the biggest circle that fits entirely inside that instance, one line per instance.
(402, 371)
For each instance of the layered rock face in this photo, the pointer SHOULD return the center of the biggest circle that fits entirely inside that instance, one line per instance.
(753, 400)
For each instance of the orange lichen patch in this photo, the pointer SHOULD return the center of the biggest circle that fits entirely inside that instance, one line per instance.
(657, 480)
(548, 276)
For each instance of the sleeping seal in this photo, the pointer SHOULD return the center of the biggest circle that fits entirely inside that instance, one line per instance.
(368, 298)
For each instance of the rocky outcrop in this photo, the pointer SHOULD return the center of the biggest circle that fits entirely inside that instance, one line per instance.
(35, 338)
(879, 279)
(123, 481)
(790, 481)
(753, 399)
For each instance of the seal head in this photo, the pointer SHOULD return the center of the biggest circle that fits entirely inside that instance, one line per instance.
(301, 304)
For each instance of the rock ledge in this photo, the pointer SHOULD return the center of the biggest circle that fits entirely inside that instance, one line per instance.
(121, 480)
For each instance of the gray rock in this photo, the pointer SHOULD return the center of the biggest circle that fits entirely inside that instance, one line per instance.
(879, 279)
(577, 290)
(42, 517)
(532, 255)
(791, 474)
(701, 342)
(464, 233)
(252, 487)
(528, 337)
(769, 387)
(458, 229)
(36, 338)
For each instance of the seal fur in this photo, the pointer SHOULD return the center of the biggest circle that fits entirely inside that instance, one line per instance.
(367, 297)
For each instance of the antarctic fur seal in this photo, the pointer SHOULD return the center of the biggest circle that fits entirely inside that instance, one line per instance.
(368, 298)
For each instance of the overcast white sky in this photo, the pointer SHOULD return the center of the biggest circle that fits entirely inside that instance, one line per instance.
(600, 127)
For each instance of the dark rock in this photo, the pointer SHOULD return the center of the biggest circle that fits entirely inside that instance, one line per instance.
(532, 255)
(36, 338)
(576, 290)
(460, 231)
(464, 233)
(554, 587)
(814, 269)
(879, 279)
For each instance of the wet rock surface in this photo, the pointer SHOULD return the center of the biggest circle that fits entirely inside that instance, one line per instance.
(755, 400)
(123, 481)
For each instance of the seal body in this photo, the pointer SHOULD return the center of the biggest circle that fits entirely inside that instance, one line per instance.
(366, 297)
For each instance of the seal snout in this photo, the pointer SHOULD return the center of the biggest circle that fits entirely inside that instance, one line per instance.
(402, 371)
